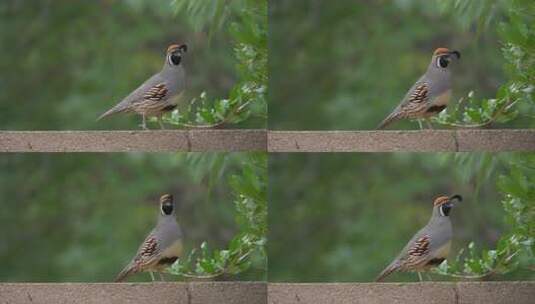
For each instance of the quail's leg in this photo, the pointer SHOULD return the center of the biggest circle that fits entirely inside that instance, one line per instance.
(143, 122)
(162, 278)
(420, 123)
(428, 275)
(161, 123)
(419, 276)
(151, 275)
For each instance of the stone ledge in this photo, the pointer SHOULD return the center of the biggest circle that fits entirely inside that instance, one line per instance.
(272, 293)
(129, 141)
(272, 141)
(401, 293)
(162, 293)
(399, 141)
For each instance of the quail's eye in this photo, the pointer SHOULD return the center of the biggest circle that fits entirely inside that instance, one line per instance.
(442, 62)
(167, 209)
(175, 59)
(445, 209)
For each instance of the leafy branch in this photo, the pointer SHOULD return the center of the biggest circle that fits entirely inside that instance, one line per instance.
(469, 113)
(247, 248)
(248, 97)
(515, 248)
(518, 51)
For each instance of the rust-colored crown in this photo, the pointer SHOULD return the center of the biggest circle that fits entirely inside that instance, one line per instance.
(166, 198)
(441, 51)
(441, 200)
(175, 47)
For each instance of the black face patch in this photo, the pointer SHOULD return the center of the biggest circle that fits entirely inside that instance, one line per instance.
(167, 208)
(443, 62)
(445, 209)
(175, 58)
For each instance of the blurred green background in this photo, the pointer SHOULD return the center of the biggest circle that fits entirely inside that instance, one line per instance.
(63, 62)
(81, 217)
(344, 217)
(347, 64)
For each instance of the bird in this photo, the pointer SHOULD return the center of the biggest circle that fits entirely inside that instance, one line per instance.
(161, 248)
(430, 246)
(160, 93)
(430, 94)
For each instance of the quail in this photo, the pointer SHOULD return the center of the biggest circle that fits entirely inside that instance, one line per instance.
(161, 248)
(430, 94)
(159, 93)
(430, 246)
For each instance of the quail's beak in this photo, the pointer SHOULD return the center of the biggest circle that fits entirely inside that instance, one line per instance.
(455, 198)
(456, 53)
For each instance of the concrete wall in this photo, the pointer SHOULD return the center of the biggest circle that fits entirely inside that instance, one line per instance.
(396, 293)
(273, 293)
(272, 141)
(125, 141)
(407, 141)
(110, 293)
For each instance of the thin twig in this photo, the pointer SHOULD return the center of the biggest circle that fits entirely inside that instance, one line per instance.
(197, 276)
(469, 277)
(478, 276)
(486, 123)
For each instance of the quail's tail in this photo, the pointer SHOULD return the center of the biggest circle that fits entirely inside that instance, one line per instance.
(117, 109)
(388, 120)
(388, 271)
(128, 270)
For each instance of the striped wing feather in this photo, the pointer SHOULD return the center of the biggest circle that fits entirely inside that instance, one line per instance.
(417, 254)
(146, 254)
(414, 104)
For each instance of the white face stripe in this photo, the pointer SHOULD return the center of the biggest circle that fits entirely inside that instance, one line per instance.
(440, 210)
(169, 61)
